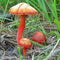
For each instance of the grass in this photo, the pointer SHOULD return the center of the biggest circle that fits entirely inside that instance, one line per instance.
(19, 52)
(49, 11)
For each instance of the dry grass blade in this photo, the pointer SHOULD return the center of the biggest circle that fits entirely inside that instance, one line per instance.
(52, 51)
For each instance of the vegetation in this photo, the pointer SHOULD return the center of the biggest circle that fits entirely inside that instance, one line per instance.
(47, 21)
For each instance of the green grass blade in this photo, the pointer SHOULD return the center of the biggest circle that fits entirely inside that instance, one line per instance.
(35, 43)
(6, 7)
(19, 51)
(56, 33)
(34, 6)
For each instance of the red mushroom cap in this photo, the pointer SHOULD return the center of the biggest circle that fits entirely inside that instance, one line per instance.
(39, 37)
(25, 43)
(22, 9)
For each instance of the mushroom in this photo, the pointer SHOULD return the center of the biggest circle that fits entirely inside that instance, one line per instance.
(25, 43)
(22, 9)
(39, 37)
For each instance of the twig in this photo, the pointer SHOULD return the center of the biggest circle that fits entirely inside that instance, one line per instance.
(11, 42)
(52, 51)
(47, 49)
(11, 57)
(56, 51)
(33, 56)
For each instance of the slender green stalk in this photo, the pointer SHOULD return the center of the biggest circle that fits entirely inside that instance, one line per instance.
(19, 51)
(6, 7)
(27, 1)
(55, 9)
(35, 43)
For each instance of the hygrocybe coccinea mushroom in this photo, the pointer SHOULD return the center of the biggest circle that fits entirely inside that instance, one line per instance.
(22, 9)
(39, 37)
(25, 43)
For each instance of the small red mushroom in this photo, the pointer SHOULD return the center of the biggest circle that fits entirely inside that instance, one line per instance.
(39, 37)
(22, 9)
(25, 43)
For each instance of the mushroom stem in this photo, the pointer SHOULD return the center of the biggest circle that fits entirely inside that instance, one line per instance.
(24, 51)
(21, 27)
